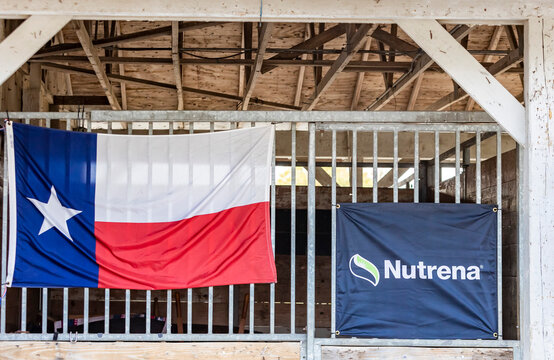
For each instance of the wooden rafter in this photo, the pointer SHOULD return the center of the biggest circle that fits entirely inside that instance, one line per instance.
(177, 64)
(353, 45)
(263, 39)
(301, 73)
(493, 43)
(414, 93)
(390, 77)
(360, 79)
(394, 42)
(161, 85)
(515, 57)
(92, 55)
(421, 63)
(514, 43)
(310, 44)
(125, 38)
(122, 86)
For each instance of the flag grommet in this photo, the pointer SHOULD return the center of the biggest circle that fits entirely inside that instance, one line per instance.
(495, 209)
(337, 332)
(337, 206)
(495, 335)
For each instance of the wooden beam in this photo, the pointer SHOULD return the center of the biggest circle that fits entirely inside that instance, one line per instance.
(420, 65)
(301, 72)
(263, 39)
(514, 44)
(493, 43)
(157, 84)
(312, 43)
(394, 42)
(68, 85)
(248, 33)
(124, 38)
(415, 92)
(177, 64)
(499, 67)
(242, 68)
(25, 40)
(390, 77)
(31, 98)
(355, 42)
(469, 74)
(80, 100)
(92, 55)
(388, 179)
(360, 78)
(122, 86)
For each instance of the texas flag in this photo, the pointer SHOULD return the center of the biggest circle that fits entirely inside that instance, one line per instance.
(138, 212)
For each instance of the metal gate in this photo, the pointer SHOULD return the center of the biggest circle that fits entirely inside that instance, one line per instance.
(425, 131)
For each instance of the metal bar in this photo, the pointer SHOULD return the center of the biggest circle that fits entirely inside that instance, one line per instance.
(130, 128)
(389, 127)
(148, 313)
(231, 295)
(499, 229)
(127, 311)
(251, 311)
(375, 188)
(158, 337)
(106, 311)
(4, 239)
(416, 166)
(170, 127)
(210, 309)
(27, 121)
(168, 310)
(273, 216)
(395, 167)
(333, 232)
(191, 127)
(293, 231)
(85, 310)
(189, 311)
(354, 169)
(360, 164)
(109, 127)
(65, 309)
(423, 117)
(478, 167)
(24, 309)
(437, 168)
(310, 328)
(45, 310)
(458, 189)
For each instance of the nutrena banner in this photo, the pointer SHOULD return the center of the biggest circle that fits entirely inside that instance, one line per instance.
(425, 271)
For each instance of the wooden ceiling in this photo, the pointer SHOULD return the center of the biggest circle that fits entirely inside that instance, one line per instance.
(277, 65)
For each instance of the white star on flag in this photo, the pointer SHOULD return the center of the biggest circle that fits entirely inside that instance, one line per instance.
(55, 214)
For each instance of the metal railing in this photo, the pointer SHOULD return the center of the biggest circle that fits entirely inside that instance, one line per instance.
(421, 126)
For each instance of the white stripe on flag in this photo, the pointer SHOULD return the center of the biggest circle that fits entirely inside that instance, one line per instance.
(241, 161)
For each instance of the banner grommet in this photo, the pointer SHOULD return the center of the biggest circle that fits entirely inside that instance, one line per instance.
(337, 206)
(337, 332)
(495, 209)
(495, 335)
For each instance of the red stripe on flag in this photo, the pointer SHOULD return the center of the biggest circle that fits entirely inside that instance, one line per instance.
(229, 247)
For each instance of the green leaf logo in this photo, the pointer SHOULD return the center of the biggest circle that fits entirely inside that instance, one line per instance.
(364, 269)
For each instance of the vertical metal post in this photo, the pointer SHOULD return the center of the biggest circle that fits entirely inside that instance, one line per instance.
(148, 292)
(457, 180)
(293, 231)
(478, 167)
(231, 295)
(499, 229)
(395, 166)
(106, 311)
(65, 309)
(251, 311)
(24, 309)
(333, 232)
(189, 311)
(375, 187)
(127, 311)
(168, 303)
(437, 168)
(416, 166)
(354, 167)
(310, 328)
(4, 238)
(210, 309)
(273, 213)
(86, 291)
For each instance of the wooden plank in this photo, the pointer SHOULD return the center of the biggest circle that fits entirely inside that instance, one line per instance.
(176, 64)
(514, 44)
(355, 42)
(25, 40)
(493, 43)
(309, 44)
(146, 351)
(360, 78)
(247, 35)
(132, 80)
(415, 92)
(390, 78)
(385, 353)
(263, 39)
(32, 92)
(301, 73)
(513, 58)
(423, 63)
(124, 38)
(92, 55)
(123, 86)
(469, 74)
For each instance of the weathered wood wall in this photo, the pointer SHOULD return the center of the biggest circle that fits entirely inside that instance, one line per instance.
(406, 353)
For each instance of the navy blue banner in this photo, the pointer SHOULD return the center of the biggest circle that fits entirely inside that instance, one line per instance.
(417, 271)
